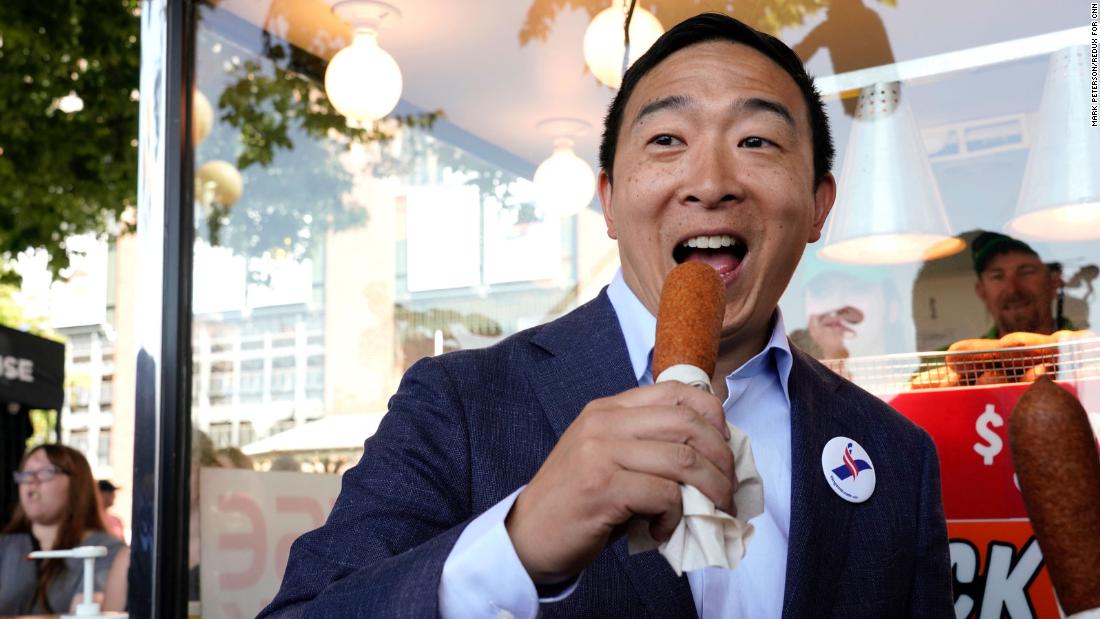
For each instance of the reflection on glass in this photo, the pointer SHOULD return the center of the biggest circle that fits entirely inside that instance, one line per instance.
(849, 315)
(979, 129)
(862, 49)
(855, 38)
(1060, 197)
(344, 261)
(334, 265)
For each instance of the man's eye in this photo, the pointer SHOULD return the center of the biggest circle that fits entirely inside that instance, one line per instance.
(665, 140)
(754, 142)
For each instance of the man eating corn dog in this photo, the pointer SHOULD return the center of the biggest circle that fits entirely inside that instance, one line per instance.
(502, 481)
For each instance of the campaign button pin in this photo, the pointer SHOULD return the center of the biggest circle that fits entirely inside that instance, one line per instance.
(848, 469)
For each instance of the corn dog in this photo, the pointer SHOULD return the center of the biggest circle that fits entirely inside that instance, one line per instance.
(1058, 467)
(689, 319)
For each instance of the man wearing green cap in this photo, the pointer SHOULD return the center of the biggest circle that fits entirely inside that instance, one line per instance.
(1016, 287)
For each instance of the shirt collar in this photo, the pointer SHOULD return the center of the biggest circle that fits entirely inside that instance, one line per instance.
(639, 328)
(638, 325)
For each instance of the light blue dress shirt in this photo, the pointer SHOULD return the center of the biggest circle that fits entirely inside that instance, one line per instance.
(483, 576)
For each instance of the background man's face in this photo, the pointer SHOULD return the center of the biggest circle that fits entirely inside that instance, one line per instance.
(1018, 289)
(716, 143)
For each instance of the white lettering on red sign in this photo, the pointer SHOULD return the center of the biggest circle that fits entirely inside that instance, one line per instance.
(1003, 589)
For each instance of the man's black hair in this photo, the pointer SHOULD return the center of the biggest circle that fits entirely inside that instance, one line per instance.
(718, 27)
(988, 245)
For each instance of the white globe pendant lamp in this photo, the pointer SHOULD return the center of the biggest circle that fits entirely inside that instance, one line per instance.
(218, 182)
(202, 117)
(604, 45)
(363, 81)
(564, 183)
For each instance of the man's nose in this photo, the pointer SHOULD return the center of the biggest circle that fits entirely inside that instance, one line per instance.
(1012, 289)
(712, 179)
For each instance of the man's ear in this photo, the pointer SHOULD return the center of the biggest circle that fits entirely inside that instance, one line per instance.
(603, 186)
(979, 288)
(824, 196)
(1056, 280)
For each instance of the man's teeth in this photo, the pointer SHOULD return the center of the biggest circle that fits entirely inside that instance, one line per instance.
(710, 242)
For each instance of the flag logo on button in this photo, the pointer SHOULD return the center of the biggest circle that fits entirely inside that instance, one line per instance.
(848, 469)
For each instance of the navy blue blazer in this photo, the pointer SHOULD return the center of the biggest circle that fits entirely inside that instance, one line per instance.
(466, 429)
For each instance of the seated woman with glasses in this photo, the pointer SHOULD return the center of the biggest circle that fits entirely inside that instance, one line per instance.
(58, 509)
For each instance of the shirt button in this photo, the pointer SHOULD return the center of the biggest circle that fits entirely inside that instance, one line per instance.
(503, 614)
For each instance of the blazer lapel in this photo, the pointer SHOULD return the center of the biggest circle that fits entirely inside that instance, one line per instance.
(818, 541)
(589, 360)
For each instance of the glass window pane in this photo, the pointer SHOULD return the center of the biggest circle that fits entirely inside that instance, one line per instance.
(331, 256)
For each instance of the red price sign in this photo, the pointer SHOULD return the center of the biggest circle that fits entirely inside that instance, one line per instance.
(997, 565)
(970, 429)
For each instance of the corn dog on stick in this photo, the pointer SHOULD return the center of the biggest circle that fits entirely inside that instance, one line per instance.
(1058, 467)
(689, 322)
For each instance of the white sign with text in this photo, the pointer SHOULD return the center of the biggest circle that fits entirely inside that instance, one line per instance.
(248, 521)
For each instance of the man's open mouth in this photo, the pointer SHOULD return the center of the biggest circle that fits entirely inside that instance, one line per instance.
(723, 252)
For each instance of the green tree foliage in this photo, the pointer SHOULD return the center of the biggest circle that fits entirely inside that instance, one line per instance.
(66, 173)
(12, 314)
(274, 104)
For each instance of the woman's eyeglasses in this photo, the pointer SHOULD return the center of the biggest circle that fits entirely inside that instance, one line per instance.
(42, 475)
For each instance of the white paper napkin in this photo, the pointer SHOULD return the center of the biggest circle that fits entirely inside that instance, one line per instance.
(707, 537)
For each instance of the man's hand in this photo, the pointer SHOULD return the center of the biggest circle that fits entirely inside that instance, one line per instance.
(623, 456)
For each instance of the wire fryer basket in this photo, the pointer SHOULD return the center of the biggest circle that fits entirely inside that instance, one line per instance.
(1075, 359)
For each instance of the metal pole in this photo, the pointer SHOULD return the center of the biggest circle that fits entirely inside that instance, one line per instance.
(162, 424)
